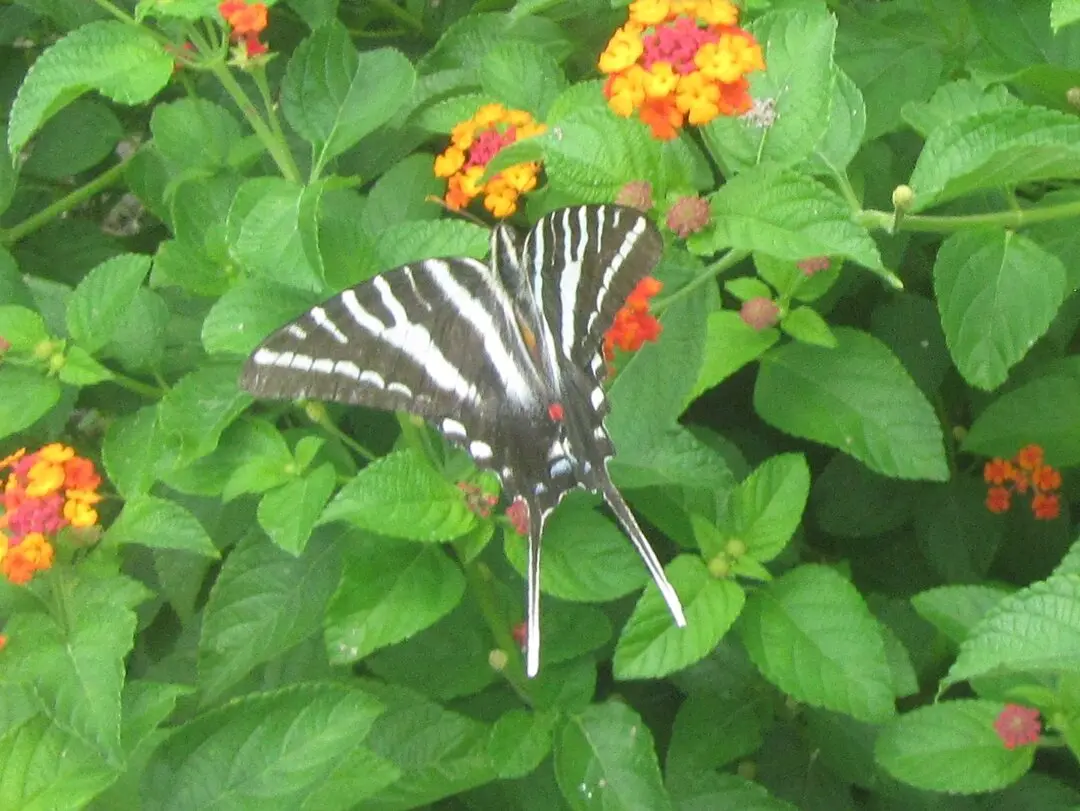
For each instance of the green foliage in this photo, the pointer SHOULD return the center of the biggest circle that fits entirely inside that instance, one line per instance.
(309, 606)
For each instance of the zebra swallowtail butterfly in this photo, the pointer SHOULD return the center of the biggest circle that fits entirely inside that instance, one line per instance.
(504, 358)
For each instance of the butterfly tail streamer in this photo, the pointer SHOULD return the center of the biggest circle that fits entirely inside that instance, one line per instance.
(641, 543)
(532, 593)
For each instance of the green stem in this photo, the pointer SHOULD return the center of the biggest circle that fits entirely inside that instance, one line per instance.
(136, 386)
(322, 419)
(277, 149)
(710, 273)
(480, 580)
(32, 223)
(946, 225)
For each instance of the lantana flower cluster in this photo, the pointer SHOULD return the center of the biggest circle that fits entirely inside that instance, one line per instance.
(634, 324)
(473, 143)
(45, 491)
(1018, 726)
(246, 21)
(1025, 473)
(677, 61)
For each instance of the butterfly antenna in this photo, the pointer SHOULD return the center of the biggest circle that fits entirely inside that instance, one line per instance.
(532, 593)
(641, 543)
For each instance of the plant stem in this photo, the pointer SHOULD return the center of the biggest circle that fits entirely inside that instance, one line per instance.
(711, 272)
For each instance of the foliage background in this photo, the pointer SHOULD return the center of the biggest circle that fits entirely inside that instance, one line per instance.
(270, 620)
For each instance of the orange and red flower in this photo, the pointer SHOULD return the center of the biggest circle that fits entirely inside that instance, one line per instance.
(246, 22)
(1026, 471)
(473, 143)
(680, 60)
(1018, 726)
(45, 492)
(633, 324)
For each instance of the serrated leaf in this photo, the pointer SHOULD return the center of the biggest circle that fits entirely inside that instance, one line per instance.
(604, 758)
(586, 557)
(80, 369)
(28, 396)
(955, 100)
(1038, 412)
(288, 513)
(730, 344)
(747, 288)
(958, 535)
(135, 451)
(279, 745)
(99, 303)
(856, 398)
(160, 524)
(851, 501)
(248, 312)
(1063, 13)
(954, 610)
(996, 149)
(765, 509)
(120, 61)
(811, 634)
(998, 292)
(334, 96)
(401, 496)
(200, 406)
(951, 746)
(798, 79)
(22, 328)
(911, 327)
(388, 592)
(806, 326)
(195, 133)
(523, 76)
(400, 195)
(846, 128)
(263, 602)
(788, 216)
(1037, 629)
(652, 646)
(519, 742)
(712, 729)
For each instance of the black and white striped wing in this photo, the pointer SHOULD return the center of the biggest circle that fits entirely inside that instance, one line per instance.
(584, 262)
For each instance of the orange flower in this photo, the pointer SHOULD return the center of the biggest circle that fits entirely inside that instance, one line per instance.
(998, 499)
(1045, 477)
(473, 144)
(32, 554)
(634, 324)
(1029, 457)
(998, 471)
(677, 60)
(1018, 726)
(47, 491)
(1025, 472)
(242, 18)
(1045, 506)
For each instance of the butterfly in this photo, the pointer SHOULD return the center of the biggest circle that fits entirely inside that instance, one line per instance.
(505, 358)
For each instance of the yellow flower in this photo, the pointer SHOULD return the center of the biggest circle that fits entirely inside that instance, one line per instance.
(56, 453)
(729, 59)
(521, 178)
(449, 162)
(489, 114)
(715, 12)
(660, 80)
(625, 91)
(8, 461)
(623, 50)
(698, 98)
(44, 478)
(501, 203)
(463, 133)
(80, 513)
(649, 12)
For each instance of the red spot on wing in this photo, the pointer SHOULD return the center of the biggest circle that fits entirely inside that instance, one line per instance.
(555, 411)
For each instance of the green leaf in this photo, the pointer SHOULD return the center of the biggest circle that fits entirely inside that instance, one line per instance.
(1038, 412)
(798, 78)
(996, 149)
(811, 634)
(788, 216)
(846, 128)
(1063, 13)
(856, 398)
(851, 501)
(652, 646)
(951, 746)
(136, 451)
(158, 523)
(911, 327)
(334, 96)
(200, 406)
(708, 790)
(120, 61)
(956, 100)
(265, 462)
(401, 496)
(605, 758)
(281, 745)
(263, 603)
(1036, 630)
(22, 328)
(730, 344)
(519, 742)
(586, 557)
(288, 513)
(388, 592)
(28, 396)
(954, 610)
(80, 369)
(713, 729)
(248, 312)
(77, 138)
(101, 300)
(195, 133)
(747, 288)
(523, 76)
(400, 195)
(998, 292)
(958, 535)
(765, 508)
(806, 326)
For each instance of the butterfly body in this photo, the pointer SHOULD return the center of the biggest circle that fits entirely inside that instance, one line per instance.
(504, 358)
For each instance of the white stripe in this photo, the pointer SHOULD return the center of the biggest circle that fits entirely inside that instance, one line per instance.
(321, 319)
(323, 365)
(264, 357)
(597, 398)
(480, 451)
(629, 241)
(348, 369)
(571, 277)
(373, 378)
(454, 428)
(400, 388)
(296, 331)
(467, 307)
(412, 340)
